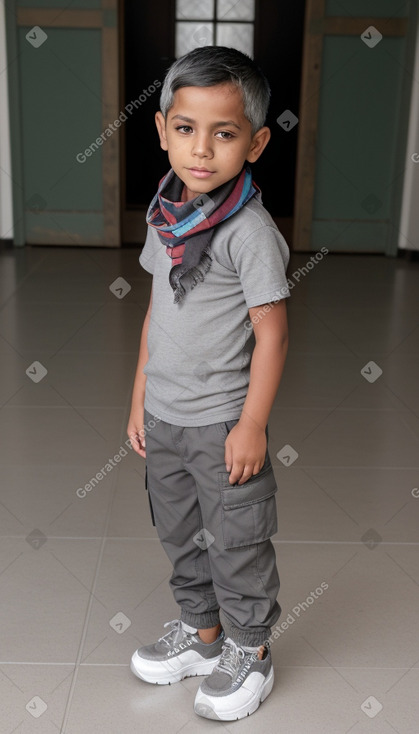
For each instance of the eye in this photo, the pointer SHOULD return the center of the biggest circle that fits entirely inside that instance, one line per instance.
(184, 128)
(225, 135)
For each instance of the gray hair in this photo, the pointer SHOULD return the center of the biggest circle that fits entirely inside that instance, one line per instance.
(206, 66)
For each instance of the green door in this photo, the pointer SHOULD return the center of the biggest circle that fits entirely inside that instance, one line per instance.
(354, 106)
(63, 89)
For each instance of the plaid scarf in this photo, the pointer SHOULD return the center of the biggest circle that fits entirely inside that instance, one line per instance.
(186, 228)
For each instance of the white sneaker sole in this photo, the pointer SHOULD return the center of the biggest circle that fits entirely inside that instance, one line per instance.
(206, 705)
(166, 676)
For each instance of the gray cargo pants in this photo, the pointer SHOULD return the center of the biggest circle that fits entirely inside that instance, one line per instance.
(216, 535)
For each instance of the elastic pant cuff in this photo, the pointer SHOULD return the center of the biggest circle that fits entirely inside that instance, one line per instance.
(201, 621)
(250, 637)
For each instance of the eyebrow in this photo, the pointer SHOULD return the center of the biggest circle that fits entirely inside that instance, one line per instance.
(216, 124)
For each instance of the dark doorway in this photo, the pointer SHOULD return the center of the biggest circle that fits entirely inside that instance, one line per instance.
(149, 49)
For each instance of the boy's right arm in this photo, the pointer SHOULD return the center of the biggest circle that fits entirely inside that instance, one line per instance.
(135, 428)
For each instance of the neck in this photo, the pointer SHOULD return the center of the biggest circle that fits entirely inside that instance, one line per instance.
(184, 196)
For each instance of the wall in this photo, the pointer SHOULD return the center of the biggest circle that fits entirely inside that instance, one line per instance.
(6, 209)
(409, 221)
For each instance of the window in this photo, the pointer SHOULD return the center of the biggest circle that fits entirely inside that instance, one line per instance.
(214, 23)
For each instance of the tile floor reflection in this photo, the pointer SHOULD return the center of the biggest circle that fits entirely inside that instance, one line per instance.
(83, 578)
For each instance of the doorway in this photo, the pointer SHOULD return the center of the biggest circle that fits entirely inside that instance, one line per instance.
(272, 31)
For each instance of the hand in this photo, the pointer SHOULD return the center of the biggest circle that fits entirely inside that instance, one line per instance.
(245, 451)
(136, 432)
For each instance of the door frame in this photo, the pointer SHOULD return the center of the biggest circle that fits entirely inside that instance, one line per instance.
(316, 27)
(105, 19)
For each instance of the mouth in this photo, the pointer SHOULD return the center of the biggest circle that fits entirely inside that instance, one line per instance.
(200, 172)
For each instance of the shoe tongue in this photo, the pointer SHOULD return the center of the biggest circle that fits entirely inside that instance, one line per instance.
(187, 628)
(225, 670)
(250, 649)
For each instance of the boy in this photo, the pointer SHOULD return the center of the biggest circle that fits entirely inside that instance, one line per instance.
(206, 379)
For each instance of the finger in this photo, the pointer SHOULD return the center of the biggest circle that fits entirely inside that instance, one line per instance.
(236, 472)
(228, 458)
(247, 473)
(135, 442)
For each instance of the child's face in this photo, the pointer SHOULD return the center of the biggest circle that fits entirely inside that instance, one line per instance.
(208, 138)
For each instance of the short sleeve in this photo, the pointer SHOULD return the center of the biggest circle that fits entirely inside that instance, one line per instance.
(149, 251)
(261, 264)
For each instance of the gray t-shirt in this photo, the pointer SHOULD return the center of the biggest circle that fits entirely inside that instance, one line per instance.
(200, 349)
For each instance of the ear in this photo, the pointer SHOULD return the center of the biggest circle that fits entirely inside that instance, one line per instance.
(161, 129)
(258, 144)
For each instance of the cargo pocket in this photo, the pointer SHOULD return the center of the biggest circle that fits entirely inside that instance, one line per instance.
(248, 513)
(225, 427)
(149, 500)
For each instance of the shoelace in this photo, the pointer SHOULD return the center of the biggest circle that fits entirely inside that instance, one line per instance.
(176, 633)
(231, 659)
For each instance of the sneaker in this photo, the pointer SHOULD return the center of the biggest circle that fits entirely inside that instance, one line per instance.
(177, 655)
(236, 686)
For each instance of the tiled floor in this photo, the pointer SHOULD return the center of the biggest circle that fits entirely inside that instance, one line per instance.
(348, 506)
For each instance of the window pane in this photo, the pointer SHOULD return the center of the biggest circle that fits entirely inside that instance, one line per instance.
(236, 35)
(191, 35)
(190, 9)
(235, 9)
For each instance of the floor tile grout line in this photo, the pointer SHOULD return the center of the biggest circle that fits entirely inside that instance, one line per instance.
(24, 278)
(77, 664)
(105, 538)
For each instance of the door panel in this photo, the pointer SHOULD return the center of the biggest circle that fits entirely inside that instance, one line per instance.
(353, 125)
(64, 88)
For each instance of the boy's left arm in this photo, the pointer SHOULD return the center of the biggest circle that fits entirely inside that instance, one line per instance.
(245, 446)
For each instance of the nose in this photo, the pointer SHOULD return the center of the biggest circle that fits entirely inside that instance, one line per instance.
(202, 147)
